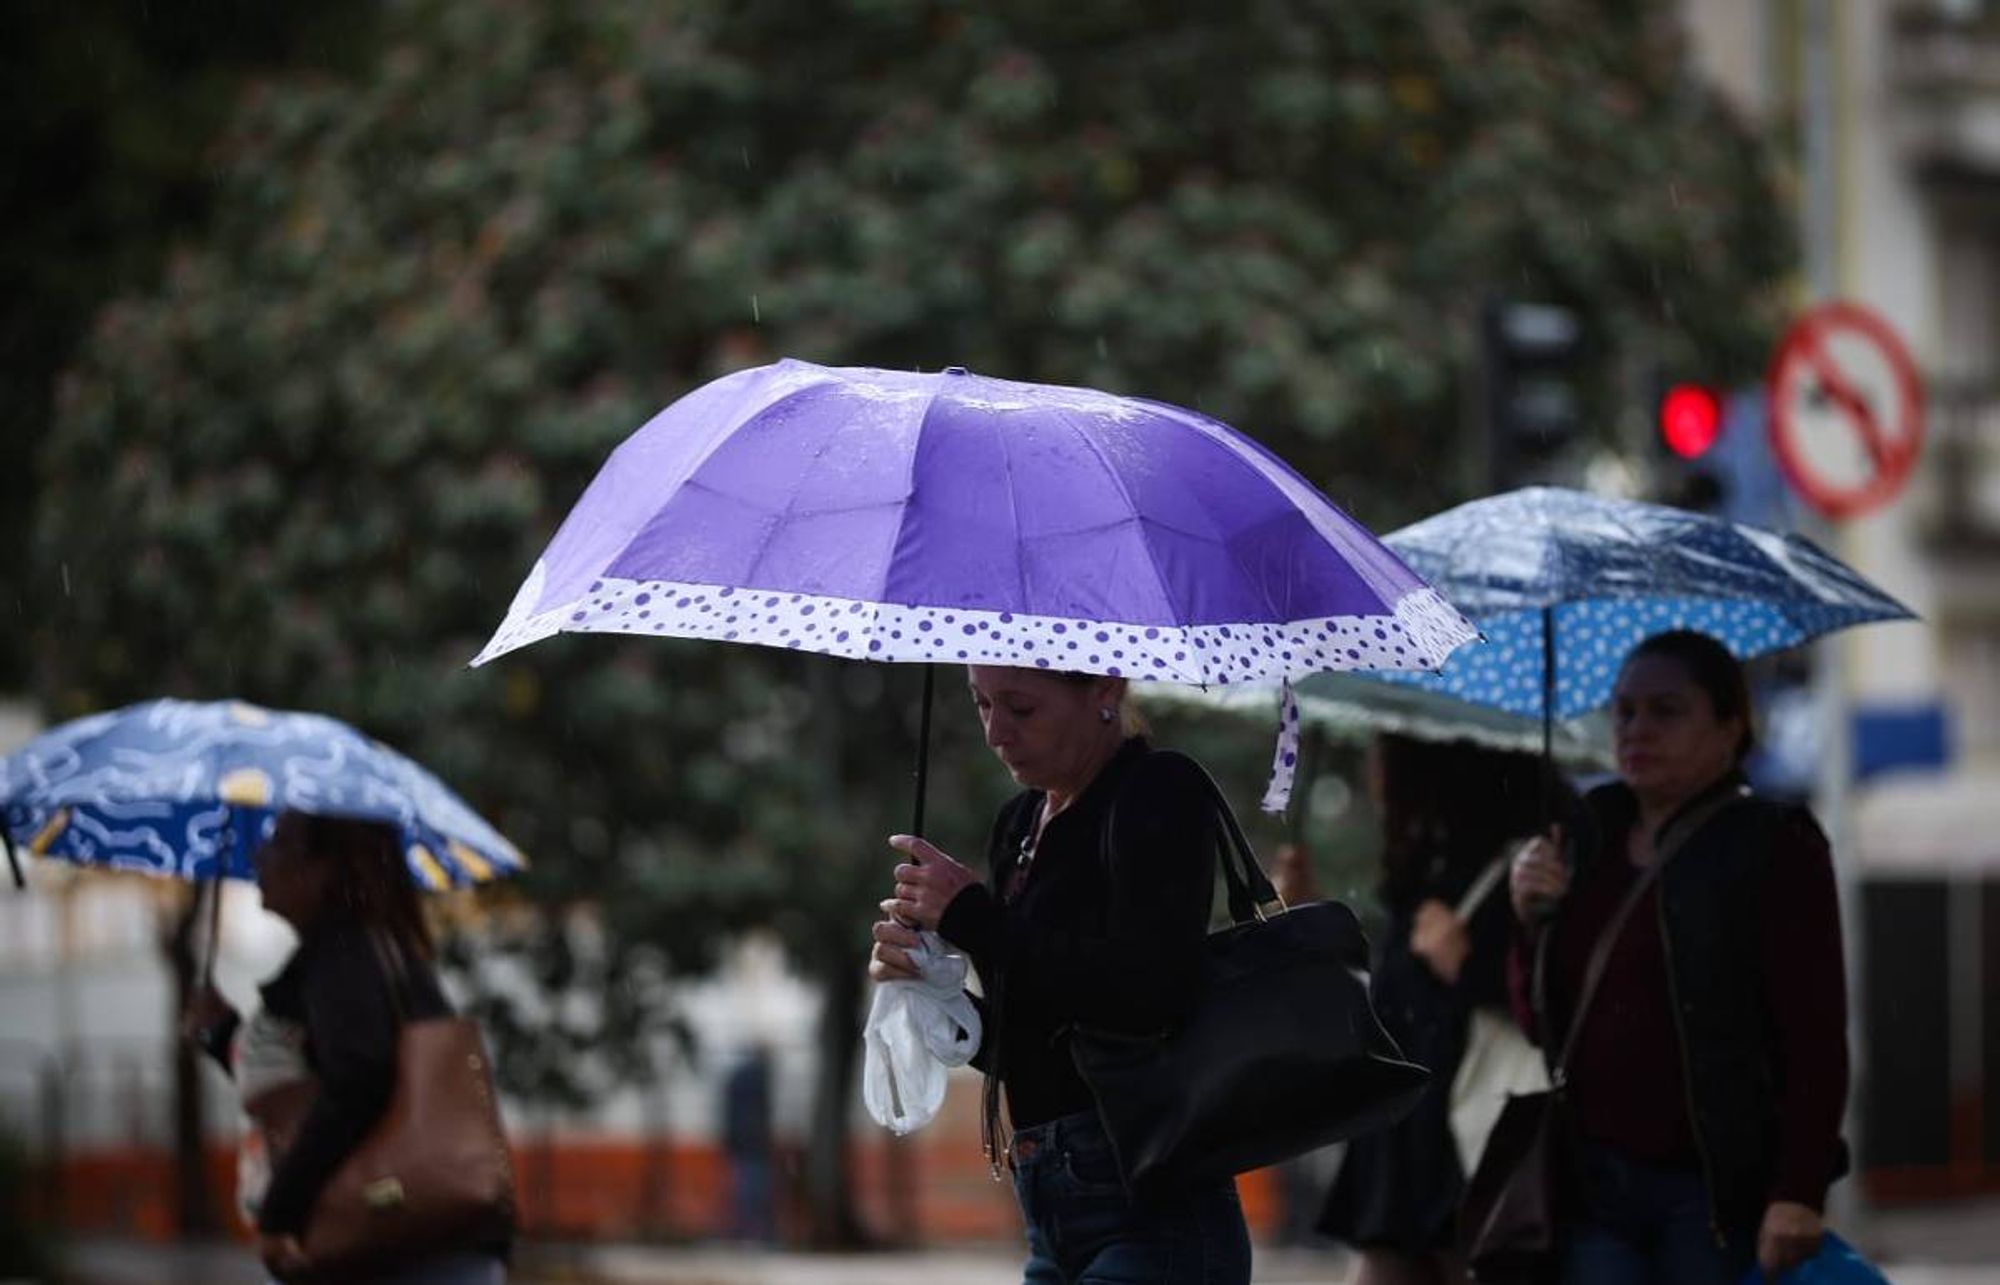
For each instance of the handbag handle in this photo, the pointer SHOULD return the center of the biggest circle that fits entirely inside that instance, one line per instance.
(1672, 839)
(1251, 893)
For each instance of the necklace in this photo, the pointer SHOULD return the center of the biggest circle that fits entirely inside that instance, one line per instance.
(1025, 855)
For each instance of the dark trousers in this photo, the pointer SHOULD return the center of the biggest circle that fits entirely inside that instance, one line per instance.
(1084, 1230)
(1631, 1223)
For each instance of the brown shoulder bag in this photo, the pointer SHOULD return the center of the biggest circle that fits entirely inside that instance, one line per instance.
(434, 1173)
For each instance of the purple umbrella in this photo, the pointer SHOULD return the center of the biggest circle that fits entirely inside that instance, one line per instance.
(884, 515)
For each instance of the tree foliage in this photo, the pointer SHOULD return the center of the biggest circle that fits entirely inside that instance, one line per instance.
(110, 107)
(311, 467)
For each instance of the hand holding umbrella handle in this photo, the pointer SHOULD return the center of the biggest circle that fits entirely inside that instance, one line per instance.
(1538, 878)
(927, 882)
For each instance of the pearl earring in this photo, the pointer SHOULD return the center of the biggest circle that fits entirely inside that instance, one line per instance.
(1104, 714)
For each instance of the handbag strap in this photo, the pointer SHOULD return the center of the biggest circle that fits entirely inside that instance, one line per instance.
(389, 954)
(1251, 893)
(1672, 838)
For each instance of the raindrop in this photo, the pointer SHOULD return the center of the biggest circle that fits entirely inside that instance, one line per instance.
(746, 157)
(65, 579)
(1103, 349)
(756, 314)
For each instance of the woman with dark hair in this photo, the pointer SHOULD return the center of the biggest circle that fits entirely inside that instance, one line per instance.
(364, 964)
(1707, 1079)
(1081, 921)
(1447, 812)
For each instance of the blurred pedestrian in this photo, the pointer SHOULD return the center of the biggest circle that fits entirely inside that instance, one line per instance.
(1066, 932)
(1302, 1180)
(1448, 812)
(746, 1145)
(1292, 874)
(343, 885)
(1708, 1078)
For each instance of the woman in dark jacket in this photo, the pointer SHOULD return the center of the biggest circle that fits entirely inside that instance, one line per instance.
(343, 885)
(1095, 912)
(1709, 1075)
(1447, 813)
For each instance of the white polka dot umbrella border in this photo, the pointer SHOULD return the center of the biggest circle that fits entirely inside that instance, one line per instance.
(1421, 633)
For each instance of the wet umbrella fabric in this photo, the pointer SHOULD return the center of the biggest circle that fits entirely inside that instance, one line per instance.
(885, 515)
(1578, 580)
(189, 790)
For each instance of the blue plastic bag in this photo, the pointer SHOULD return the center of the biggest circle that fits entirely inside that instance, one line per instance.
(1837, 1263)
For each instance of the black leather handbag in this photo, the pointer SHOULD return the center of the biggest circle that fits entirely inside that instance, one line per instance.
(1282, 1054)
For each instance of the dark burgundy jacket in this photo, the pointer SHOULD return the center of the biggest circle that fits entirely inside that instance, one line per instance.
(1719, 1036)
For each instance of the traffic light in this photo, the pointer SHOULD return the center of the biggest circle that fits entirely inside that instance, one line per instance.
(1532, 370)
(1687, 423)
(1690, 419)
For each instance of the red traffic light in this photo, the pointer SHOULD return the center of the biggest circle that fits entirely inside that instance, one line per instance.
(1690, 420)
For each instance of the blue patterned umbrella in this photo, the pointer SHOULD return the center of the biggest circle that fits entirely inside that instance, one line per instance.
(1564, 584)
(190, 789)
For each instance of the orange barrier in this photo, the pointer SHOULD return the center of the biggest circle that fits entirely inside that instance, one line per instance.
(936, 1190)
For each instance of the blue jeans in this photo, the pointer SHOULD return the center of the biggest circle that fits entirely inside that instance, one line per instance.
(1084, 1230)
(752, 1202)
(1636, 1224)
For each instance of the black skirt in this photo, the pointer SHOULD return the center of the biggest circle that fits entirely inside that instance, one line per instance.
(1399, 1188)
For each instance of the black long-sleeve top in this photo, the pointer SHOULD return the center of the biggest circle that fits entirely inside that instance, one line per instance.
(1111, 940)
(336, 986)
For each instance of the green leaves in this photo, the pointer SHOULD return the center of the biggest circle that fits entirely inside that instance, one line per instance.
(312, 467)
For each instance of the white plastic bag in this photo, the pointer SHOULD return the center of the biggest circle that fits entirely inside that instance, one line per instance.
(917, 1030)
(1499, 1063)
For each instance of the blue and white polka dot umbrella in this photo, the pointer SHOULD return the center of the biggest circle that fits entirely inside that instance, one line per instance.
(1582, 579)
(189, 790)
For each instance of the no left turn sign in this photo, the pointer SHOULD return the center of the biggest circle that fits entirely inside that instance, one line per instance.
(1847, 410)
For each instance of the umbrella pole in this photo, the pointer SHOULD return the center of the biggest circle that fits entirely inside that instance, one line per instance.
(13, 858)
(923, 751)
(1548, 716)
(215, 900)
(214, 930)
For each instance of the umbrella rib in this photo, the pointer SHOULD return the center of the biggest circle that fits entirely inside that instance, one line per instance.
(740, 414)
(1366, 574)
(1159, 576)
(696, 484)
(1013, 515)
(783, 516)
(909, 493)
